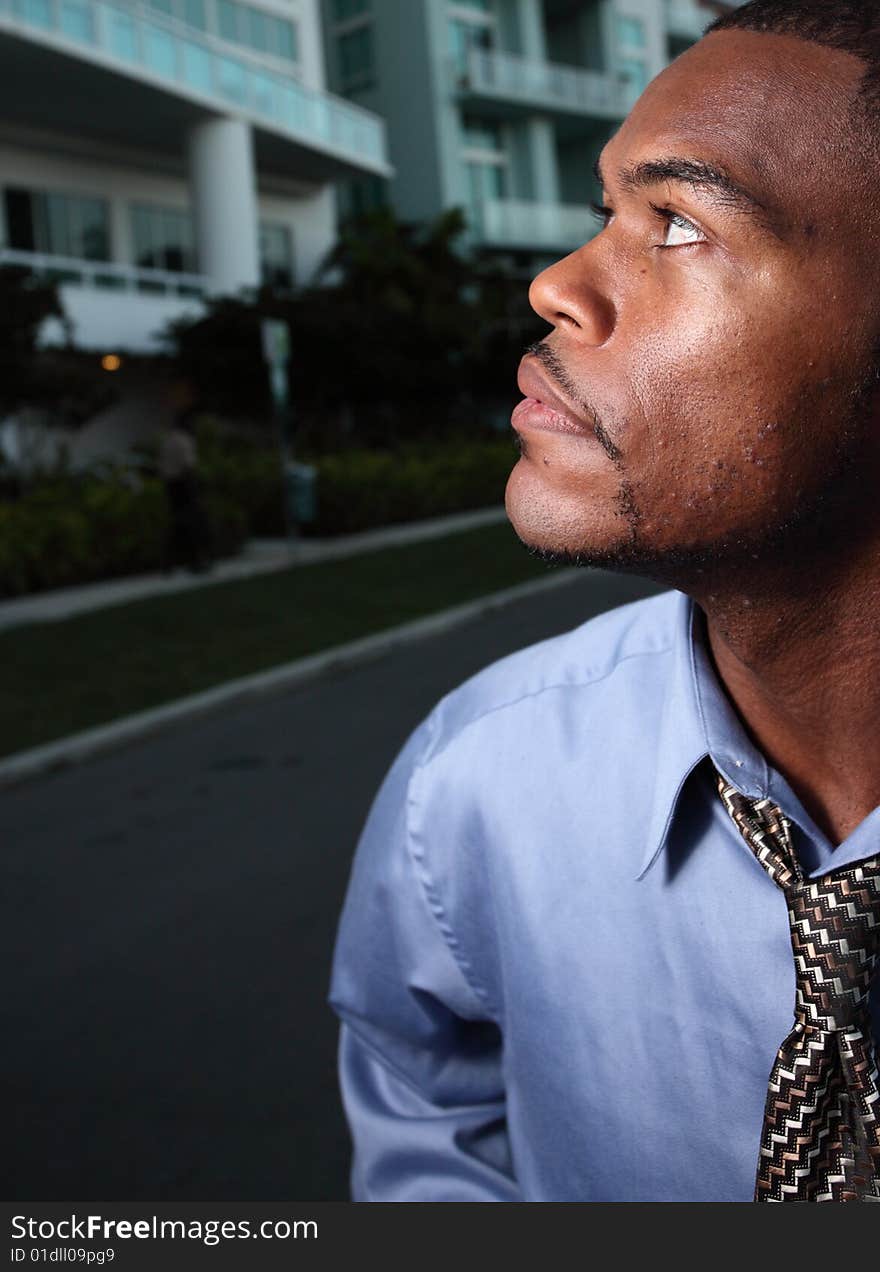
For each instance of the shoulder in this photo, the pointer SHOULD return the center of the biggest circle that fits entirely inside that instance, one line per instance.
(625, 645)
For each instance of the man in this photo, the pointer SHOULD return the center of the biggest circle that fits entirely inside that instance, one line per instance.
(602, 874)
(178, 468)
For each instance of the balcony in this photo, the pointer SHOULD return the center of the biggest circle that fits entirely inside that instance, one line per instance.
(114, 306)
(510, 80)
(203, 74)
(519, 224)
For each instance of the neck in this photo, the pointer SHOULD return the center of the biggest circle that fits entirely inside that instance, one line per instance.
(799, 657)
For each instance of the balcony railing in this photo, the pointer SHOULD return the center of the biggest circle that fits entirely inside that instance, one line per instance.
(128, 36)
(106, 275)
(544, 84)
(520, 223)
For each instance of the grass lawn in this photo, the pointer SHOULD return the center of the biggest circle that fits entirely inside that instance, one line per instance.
(59, 678)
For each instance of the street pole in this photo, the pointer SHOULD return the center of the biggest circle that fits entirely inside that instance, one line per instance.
(276, 352)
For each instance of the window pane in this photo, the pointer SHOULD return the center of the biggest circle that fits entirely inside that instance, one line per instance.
(227, 16)
(257, 30)
(163, 239)
(634, 72)
(159, 47)
(276, 255)
(93, 238)
(356, 55)
(196, 66)
(231, 79)
(76, 21)
(122, 34)
(630, 31)
(19, 220)
(482, 134)
(141, 226)
(163, 6)
(194, 14)
(37, 12)
(283, 39)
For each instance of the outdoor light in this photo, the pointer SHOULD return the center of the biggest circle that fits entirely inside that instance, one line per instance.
(111, 362)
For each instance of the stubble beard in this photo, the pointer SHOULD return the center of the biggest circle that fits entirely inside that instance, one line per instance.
(822, 523)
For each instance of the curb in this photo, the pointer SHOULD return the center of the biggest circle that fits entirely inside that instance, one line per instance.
(59, 604)
(77, 747)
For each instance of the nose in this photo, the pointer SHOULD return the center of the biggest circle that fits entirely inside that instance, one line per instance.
(566, 296)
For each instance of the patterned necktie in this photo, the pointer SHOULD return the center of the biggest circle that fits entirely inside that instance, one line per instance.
(821, 1136)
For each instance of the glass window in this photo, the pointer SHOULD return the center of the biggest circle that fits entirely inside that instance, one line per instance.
(163, 239)
(231, 79)
(37, 12)
(464, 36)
(196, 63)
(58, 224)
(159, 48)
(486, 181)
(285, 39)
(163, 6)
(227, 19)
(257, 30)
(482, 134)
(76, 21)
(634, 72)
(122, 34)
(630, 31)
(193, 13)
(356, 57)
(276, 255)
(343, 9)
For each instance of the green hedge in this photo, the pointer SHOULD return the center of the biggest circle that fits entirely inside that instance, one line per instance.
(361, 490)
(73, 529)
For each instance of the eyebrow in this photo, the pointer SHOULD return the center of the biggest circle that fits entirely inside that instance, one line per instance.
(712, 179)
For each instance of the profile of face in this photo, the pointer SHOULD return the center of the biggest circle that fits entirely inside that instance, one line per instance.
(707, 392)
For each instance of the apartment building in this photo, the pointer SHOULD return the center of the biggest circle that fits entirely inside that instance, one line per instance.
(153, 152)
(501, 106)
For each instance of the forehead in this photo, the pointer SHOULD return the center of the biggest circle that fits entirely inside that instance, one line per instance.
(772, 108)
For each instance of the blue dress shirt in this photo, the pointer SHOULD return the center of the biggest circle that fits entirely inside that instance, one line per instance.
(561, 973)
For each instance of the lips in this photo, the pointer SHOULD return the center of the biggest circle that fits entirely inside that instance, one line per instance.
(542, 406)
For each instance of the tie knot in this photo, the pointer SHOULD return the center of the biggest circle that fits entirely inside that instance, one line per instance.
(835, 937)
(834, 920)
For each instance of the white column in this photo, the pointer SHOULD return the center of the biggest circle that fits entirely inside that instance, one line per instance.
(543, 160)
(222, 177)
(530, 19)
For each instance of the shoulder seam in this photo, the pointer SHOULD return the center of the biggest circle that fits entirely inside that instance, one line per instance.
(534, 693)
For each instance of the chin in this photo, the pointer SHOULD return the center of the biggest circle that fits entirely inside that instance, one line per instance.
(552, 521)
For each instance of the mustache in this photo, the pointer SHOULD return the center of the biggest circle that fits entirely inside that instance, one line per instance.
(552, 364)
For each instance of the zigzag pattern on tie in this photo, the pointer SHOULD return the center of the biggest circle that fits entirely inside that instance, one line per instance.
(820, 1141)
(821, 1134)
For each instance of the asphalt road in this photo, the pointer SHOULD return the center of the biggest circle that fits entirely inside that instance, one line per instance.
(168, 926)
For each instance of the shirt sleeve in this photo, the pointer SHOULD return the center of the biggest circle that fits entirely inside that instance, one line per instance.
(420, 1049)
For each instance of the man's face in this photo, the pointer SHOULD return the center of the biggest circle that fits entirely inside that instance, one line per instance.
(709, 349)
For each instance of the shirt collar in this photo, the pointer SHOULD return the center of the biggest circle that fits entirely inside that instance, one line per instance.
(697, 720)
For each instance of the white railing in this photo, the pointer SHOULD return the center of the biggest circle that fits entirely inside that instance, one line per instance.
(537, 83)
(127, 35)
(521, 223)
(106, 275)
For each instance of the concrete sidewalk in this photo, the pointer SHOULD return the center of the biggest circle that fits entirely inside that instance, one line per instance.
(260, 556)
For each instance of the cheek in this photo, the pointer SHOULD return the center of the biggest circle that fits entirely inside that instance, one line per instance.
(724, 428)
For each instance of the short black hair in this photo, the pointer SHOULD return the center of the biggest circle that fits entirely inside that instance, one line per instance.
(853, 26)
